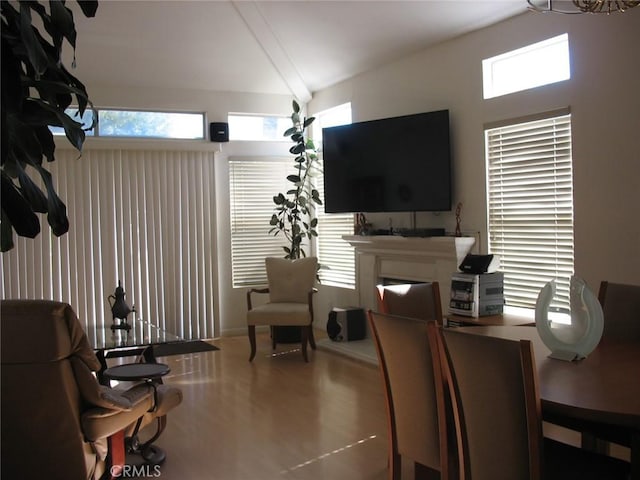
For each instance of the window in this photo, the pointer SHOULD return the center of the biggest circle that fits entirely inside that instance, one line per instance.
(257, 127)
(253, 183)
(335, 255)
(127, 123)
(141, 124)
(530, 203)
(535, 65)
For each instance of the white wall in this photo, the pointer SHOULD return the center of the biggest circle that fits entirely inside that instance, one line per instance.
(604, 99)
(603, 95)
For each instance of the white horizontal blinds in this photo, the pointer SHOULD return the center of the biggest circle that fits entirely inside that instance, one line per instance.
(252, 184)
(144, 218)
(530, 205)
(335, 255)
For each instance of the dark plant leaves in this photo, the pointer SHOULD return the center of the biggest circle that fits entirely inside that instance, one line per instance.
(11, 87)
(24, 145)
(294, 217)
(290, 131)
(18, 210)
(62, 20)
(6, 233)
(297, 149)
(56, 209)
(35, 52)
(32, 193)
(88, 7)
(36, 88)
(45, 138)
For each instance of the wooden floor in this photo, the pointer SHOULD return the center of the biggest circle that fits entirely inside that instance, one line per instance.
(275, 418)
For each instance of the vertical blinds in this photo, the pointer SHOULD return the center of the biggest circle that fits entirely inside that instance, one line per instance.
(145, 218)
(530, 204)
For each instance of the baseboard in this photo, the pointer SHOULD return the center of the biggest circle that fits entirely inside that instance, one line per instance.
(362, 350)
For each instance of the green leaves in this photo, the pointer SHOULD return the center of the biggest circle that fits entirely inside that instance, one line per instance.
(36, 90)
(294, 211)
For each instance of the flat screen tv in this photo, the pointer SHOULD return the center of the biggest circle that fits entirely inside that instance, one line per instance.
(399, 164)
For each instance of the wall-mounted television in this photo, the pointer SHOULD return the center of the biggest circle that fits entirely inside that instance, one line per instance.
(399, 164)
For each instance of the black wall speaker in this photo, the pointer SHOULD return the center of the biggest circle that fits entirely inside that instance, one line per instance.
(219, 132)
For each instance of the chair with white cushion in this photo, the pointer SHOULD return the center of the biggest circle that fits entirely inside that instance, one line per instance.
(291, 289)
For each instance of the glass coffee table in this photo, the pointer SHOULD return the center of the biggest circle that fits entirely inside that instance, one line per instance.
(138, 340)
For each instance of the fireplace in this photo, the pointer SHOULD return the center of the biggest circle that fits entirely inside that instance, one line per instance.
(381, 259)
(407, 259)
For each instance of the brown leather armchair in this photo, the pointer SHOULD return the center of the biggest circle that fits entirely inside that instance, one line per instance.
(57, 420)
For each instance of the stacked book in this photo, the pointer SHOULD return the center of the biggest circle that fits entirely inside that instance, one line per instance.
(475, 295)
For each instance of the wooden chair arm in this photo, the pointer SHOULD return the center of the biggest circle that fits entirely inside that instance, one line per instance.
(310, 301)
(254, 290)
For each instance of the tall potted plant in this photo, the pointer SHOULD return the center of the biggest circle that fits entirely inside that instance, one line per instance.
(294, 215)
(36, 91)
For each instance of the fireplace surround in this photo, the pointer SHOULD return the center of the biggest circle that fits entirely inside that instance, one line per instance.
(389, 258)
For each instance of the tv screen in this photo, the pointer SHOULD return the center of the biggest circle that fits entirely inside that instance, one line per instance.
(399, 164)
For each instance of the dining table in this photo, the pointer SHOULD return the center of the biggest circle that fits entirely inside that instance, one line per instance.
(599, 393)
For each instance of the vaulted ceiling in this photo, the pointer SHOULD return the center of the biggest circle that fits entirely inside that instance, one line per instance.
(274, 47)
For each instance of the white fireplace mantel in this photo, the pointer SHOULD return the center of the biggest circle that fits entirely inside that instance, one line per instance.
(424, 259)
(399, 258)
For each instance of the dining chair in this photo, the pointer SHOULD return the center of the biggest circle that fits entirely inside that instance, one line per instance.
(290, 290)
(621, 308)
(493, 382)
(414, 412)
(413, 300)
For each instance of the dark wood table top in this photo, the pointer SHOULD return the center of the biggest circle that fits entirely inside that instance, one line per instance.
(489, 320)
(602, 388)
(137, 371)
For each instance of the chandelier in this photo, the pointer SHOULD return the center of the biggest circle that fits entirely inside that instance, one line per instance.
(582, 6)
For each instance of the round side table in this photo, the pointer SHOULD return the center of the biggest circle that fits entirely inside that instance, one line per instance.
(152, 374)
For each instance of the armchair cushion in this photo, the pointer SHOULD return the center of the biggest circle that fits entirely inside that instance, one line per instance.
(98, 423)
(285, 313)
(95, 394)
(290, 280)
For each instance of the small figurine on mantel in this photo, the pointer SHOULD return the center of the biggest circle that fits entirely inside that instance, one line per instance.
(361, 227)
(119, 309)
(458, 210)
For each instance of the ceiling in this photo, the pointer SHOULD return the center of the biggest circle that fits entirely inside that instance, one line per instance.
(274, 47)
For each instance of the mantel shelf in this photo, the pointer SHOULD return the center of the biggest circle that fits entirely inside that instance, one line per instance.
(454, 248)
(422, 259)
